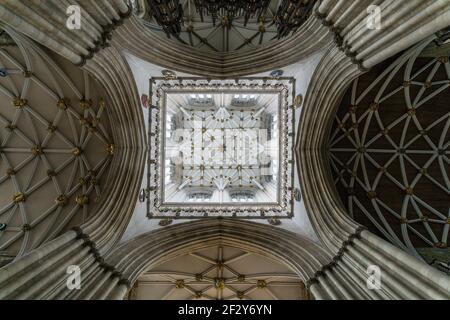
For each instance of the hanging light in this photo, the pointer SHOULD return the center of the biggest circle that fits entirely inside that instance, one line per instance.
(168, 14)
(291, 15)
(230, 9)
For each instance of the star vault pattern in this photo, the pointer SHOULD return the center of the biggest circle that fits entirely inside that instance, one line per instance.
(219, 278)
(375, 150)
(55, 148)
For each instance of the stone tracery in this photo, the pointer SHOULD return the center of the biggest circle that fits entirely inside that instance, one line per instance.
(183, 156)
(54, 162)
(331, 269)
(393, 135)
(218, 273)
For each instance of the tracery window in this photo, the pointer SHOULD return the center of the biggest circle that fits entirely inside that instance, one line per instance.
(243, 196)
(199, 196)
(221, 142)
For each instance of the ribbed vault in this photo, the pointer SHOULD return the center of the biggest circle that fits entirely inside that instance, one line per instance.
(390, 149)
(140, 253)
(55, 147)
(219, 272)
(335, 269)
(221, 34)
(143, 43)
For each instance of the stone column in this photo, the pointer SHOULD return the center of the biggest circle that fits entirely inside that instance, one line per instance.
(42, 274)
(358, 48)
(98, 19)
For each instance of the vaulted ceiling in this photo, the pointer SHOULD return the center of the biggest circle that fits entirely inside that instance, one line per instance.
(222, 147)
(390, 149)
(221, 34)
(55, 146)
(219, 272)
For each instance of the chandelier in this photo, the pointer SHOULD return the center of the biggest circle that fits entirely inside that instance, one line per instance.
(168, 14)
(291, 15)
(229, 9)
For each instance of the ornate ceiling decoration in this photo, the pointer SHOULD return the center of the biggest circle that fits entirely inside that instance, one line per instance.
(218, 147)
(291, 15)
(198, 165)
(231, 9)
(390, 150)
(224, 26)
(55, 147)
(168, 14)
(219, 273)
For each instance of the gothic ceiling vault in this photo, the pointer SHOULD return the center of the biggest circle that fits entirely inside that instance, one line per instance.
(55, 146)
(221, 148)
(390, 149)
(223, 26)
(219, 273)
(224, 149)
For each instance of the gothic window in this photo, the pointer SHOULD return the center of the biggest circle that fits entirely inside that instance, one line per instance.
(199, 196)
(201, 100)
(243, 196)
(244, 100)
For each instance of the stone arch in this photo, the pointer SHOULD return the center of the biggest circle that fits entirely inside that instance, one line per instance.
(302, 255)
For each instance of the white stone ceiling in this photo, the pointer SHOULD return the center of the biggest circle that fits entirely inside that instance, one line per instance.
(220, 272)
(143, 71)
(221, 148)
(55, 147)
(177, 166)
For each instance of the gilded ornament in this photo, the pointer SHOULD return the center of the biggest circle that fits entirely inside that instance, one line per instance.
(82, 200)
(19, 197)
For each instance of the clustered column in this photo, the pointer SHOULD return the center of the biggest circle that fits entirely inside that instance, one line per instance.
(43, 274)
(45, 22)
(358, 48)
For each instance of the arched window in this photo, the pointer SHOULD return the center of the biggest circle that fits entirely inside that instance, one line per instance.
(270, 126)
(243, 100)
(199, 196)
(201, 100)
(243, 196)
(171, 126)
(170, 170)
